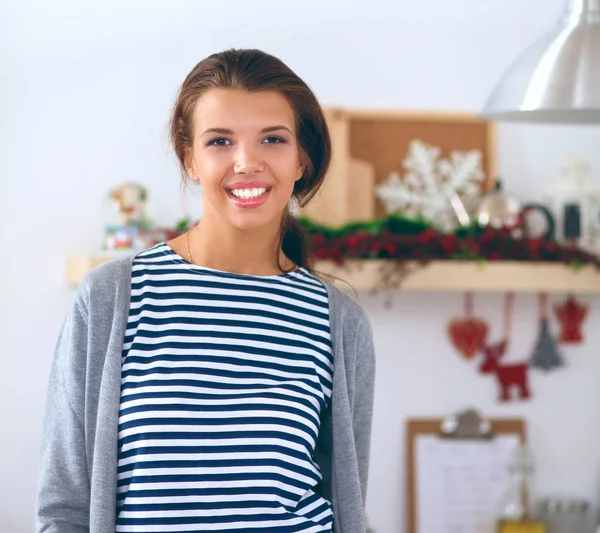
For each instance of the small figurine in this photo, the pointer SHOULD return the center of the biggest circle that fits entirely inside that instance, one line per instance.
(128, 227)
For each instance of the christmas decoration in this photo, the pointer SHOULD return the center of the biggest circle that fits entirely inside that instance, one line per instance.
(498, 209)
(396, 237)
(545, 353)
(548, 230)
(510, 375)
(468, 334)
(429, 184)
(571, 316)
(401, 239)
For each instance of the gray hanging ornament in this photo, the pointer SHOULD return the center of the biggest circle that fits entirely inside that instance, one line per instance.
(546, 354)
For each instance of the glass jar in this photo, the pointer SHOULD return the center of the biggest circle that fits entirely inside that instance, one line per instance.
(565, 516)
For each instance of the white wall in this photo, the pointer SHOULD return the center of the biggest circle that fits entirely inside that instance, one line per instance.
(85, 97)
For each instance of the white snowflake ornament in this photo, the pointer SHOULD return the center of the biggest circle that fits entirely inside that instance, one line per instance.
(430, 185)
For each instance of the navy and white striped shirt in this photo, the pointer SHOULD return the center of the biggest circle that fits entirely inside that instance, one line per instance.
(224, 379)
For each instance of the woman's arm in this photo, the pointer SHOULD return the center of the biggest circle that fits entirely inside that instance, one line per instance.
(362, 411)
(63, 486)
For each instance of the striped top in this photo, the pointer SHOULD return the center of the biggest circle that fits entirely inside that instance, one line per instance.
(224, 379)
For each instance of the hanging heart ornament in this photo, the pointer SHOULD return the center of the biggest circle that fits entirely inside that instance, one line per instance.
(468, 335)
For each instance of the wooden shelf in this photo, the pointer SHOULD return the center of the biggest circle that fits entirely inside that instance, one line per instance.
(497, 276)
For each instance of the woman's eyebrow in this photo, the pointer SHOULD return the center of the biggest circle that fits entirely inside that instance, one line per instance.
(225, 131)
(275, 128)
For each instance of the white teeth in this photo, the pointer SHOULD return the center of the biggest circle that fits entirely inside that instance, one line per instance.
(248, 193)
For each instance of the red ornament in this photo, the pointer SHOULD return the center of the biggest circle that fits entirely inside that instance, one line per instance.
(513, 375)
(571, 316)
(468, 334)
(508, 376)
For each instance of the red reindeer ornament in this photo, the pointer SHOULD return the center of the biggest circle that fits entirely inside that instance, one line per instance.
(511, 375)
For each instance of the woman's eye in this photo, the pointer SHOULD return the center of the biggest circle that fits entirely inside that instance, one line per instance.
(220, 141)
(274, 140)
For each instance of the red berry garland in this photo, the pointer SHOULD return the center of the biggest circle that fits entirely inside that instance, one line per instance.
(429, 244)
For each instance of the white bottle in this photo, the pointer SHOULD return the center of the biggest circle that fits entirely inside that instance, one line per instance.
(515, 503)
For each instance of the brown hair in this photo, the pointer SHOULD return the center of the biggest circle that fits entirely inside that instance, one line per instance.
(254, 70)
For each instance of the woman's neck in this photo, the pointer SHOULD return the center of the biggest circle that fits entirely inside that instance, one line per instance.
(236, 251)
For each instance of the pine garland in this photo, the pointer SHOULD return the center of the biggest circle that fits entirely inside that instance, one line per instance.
(403, 239)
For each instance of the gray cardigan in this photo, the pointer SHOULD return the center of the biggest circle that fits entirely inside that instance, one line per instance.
(78, 464)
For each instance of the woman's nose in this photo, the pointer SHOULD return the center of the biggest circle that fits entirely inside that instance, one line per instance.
(247, 160)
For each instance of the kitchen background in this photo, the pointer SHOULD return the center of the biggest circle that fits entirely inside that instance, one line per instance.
(86, 90)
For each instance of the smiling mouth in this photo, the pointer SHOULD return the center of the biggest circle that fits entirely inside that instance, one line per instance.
(265, 190)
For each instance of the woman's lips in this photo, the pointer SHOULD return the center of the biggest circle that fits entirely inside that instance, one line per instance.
(249, 202)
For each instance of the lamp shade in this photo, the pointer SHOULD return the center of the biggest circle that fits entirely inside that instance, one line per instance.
(557, 79)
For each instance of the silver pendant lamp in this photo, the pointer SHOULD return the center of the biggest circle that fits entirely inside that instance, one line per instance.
(557, 79)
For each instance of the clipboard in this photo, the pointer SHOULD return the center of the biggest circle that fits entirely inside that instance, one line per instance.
(472, 438)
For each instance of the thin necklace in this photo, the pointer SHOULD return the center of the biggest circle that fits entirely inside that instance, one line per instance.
(187, 235)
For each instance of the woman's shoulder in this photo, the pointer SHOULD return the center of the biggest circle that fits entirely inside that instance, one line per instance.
(346, 308)
(351, 325)
(106, 282)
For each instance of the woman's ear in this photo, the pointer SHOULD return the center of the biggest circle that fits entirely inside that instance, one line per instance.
(301, 168)
(188, 163)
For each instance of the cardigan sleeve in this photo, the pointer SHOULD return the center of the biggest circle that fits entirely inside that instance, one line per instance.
(362, 411)
(63, 492)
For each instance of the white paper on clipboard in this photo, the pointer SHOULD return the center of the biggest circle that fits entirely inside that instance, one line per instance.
(459, 484)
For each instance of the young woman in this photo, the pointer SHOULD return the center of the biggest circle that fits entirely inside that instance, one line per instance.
(214, 382)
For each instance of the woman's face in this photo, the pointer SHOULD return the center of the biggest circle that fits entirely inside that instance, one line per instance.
(245, 156)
